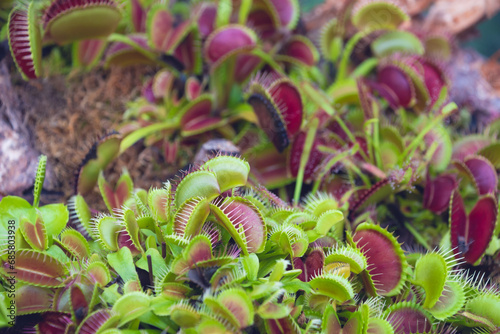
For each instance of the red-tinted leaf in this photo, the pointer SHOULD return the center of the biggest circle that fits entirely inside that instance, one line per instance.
(301, 49)
(162, 84)
(193, 88)
(385, 92)
(30, 299)
(115, 198)
(299, 264)
(200, 108)
(35, 234)
(270, 121)
(170, 150)
(245, 65)
(89, 50)
(54, 323)
(124, 240)
(437, 192)
(243, 215)
(398, 83)
(99, 321)
(25, 46)
(187, 51)
(408, 319)
(138, 16)
(282, 326)
(467, 146)
(228, 40)
(434, 79)
(206, 19)
(286, 12)
(314, 263)
(269, 166)
(384, 262)
(123, 54)
(79, 303)
(40, 269)
(262, 22)
(161, 29)
(471, 235)
(200, 249)
(364, 196)
(483, 174)
(287, 97)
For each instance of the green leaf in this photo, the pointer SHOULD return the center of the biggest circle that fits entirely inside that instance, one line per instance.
(123, 263)
(397, 41)
(199, 183)
(55, 218)
(131, 306)
(230, 171)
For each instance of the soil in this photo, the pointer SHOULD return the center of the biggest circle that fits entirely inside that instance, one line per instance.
(64, 116)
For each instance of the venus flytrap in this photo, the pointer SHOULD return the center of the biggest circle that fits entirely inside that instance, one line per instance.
(214, 251)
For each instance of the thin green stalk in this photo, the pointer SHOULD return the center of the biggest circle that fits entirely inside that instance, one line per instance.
(369, 139)
(269, 60)
(139, 134)
(418, 140)
(358, 172)
(349, 47)
(364, 68)
(331, 163)
(376, 136)
(417, 236)
(306, 152)
(245, 7)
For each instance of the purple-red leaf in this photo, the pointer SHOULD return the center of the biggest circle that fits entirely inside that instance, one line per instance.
(54, 323)
(408, 318)
(245, 65)
(386, 261)
(481, 171)
(138, 16)
(287, 98)
(193, 88)
(206, 19)
(437, 192)
(79, 304)
(25, 41)
(312, 266)
(301, 49)
(396, 83)
(470, 235)
(227, 41)
(285, 12)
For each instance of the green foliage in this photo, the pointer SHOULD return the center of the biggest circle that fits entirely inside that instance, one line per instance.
(378, 140)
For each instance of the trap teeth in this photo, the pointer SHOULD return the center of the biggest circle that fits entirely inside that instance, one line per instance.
(25, 41)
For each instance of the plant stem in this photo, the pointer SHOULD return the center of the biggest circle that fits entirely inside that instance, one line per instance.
(344, 61)
(139, 134)
(306, 152)
(330, 164)
(418, 139)
(417, 236)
